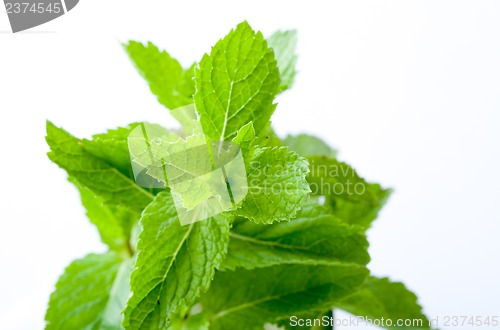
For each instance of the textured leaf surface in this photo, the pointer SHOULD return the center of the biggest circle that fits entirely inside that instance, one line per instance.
(174, 265)
(112, 147)
(173, 85)
(308, 145)
(83, 294)
(91, 172)
(247, 299)
(352, 198)
(236, 84)
(380, 298)
(276, 185)
(284, 44)
(313, 238)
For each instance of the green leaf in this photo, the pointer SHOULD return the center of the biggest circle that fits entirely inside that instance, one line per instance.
(351, 198)
(120, 291)
(277, 186)
(112, 147)
(93, 173)
(313, 238)
(270, 139)
(88, 294)
(380, 298)
(236, 84)
(173, 85)
(284, 44)
(308, 145)
(197, 321)
(175, 264)
(114, 223)
(247, 299)
(245, 137)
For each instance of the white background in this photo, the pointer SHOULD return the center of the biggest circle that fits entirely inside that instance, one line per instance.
(408, 91)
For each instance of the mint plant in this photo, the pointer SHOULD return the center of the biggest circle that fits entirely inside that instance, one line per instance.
(293, 248)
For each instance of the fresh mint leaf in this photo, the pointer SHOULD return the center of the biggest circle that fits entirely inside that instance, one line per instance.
(172, 84)
(284, 44)
(119, 294)
(270, 139)
(112, 147)
(114, 223)
(380, 298)
(314, 237)
(87, 294)
(196, 321)
(236, 84)
(307, 145)
(288, 217)
(351, 198)
(276, 185)
(93, 173)
(175, 264)
(248, 299)
(245, 136)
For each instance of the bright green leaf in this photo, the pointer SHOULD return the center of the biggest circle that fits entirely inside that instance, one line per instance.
(284, 44)
(380, 298)
(114, 223)
(197, 321)
(245, 136)
(88, 289)
(120, 291)
(236, 84)
(112, 147)
(276, 185)
(308, 145)
(91, 172)
(270, 139)
(173, 85)
(175, 264)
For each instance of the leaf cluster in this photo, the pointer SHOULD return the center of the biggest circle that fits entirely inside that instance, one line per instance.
(290, 247)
